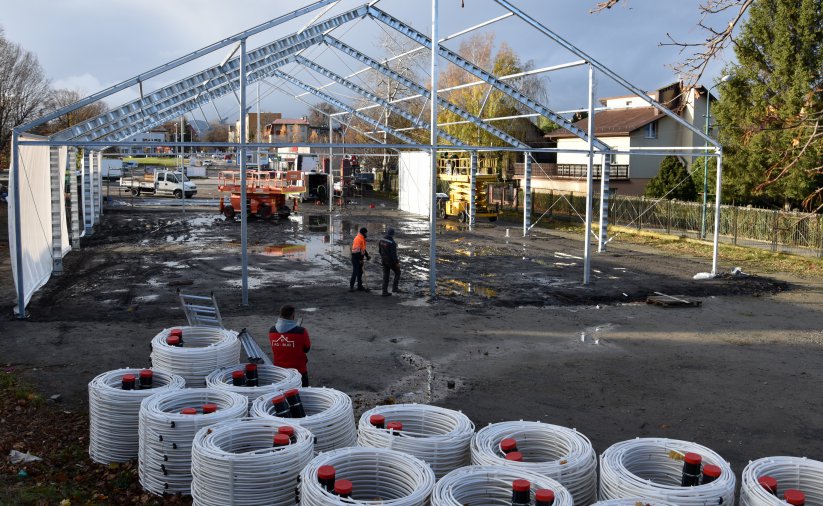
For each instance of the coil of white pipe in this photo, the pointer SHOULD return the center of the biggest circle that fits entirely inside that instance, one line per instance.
(798, 473)
(329, 416)
(560, 453)
(653, 468)
(378, 475)
(633, 501)
(439, 436)
(270, 379)
(204, 350)
(164, 454)
(492, 485)
(113, 413)
(234, 462)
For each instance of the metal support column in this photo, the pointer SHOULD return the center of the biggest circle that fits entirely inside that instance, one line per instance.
(18, 235)
(244, 215)
(330, 179)
(604, 204)
(718, 190)
(472, 190)
(433, 152)
(87, 196)
(587, 261)
(527, 193)
(56, 214)
(74, 191)
(96, 185)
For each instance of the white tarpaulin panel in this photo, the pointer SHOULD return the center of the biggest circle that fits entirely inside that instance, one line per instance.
(415, 182)
(35, 218)
(62, 155)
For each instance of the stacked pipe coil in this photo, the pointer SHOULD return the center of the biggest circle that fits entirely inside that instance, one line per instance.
(378, 476)
(204, 349)
(113, 413)
(439, 436)
(236, 462)
(653, 468)
(798, 473)
(271, 379)
(166, 433)
(329, 416)
(560, 453)
(633, 501)
(492, 485)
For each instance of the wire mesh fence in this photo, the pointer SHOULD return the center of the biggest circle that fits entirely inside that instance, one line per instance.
(775, 230)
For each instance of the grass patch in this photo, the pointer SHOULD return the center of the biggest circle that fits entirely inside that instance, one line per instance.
(154, 160)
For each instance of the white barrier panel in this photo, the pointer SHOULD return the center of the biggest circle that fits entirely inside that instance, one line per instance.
(415, 182)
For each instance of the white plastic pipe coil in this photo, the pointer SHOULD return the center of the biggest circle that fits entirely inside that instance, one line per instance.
(204, 350)
(492, 485)
(270, 378)
(797, 473)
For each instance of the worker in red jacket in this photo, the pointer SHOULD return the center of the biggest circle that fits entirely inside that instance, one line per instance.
(289, 343)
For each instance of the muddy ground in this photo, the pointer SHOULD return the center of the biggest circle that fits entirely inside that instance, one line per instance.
(512, 334)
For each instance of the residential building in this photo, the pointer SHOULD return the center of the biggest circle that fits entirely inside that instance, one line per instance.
(153, 137)
(628, 122)
(295, 130)
(251, 125)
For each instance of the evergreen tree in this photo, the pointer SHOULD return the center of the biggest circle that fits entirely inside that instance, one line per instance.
(771, 112)
(672, 181)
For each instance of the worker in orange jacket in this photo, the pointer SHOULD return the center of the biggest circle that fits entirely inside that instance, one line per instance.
(358, 257)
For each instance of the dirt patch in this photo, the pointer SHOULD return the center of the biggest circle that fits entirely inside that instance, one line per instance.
(512, 334)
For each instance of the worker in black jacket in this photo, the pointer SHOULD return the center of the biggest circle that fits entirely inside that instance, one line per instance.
(388, 256)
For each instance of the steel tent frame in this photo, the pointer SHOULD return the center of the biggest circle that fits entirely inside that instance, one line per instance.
(268, 61)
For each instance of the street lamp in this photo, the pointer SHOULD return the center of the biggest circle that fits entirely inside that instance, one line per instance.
(706, 158)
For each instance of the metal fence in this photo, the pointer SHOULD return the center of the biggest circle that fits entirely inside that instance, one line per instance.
(775, 230)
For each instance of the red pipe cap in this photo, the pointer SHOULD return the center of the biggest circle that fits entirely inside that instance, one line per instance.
(278, 399)
(188, 411)
(768, 483)
(377, 420)
(281, 440)
(343, 487)
(129, 378)
(544, 495)
(173, 340)
(693, 458)
(287, 430)
(176, 332)
(508, 445)
(711, 470)
(251, 367)
(521, 485)
(514, 456)
(326, 472)
(209, 408)
(146, 373)
(237, 374)
(291, 393)
(395, 425)
(794, 497)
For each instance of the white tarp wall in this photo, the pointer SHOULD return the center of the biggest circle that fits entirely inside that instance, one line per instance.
(415, 182)
(98, 185)
(36, 218)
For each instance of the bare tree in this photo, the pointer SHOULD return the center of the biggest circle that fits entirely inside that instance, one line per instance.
(23, 89)
(62, 98)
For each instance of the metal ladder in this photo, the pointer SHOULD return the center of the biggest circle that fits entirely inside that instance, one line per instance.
(202, 311)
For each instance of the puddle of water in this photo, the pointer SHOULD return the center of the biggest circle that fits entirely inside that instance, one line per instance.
(594, 335)
(452, 287)
(175, 265)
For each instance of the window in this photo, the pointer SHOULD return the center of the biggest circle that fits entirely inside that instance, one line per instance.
(651, 130)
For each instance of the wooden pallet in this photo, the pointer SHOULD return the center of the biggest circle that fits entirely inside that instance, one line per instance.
(663, 300)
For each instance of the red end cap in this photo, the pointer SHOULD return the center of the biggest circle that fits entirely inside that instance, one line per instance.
(281, 440)
(129, 378)
(514, 456)
(711, 470)
(343, 487)
(326, 472)
(173, 340)
(521, 485)
(176, 332)
(146, 373)
(395, 425)
(278, 399)
(287, 430)
(251, 367)
(508, 445)
(209, 408)
(794, 497)
(377, 420)
(693, 458)
(291, 393)
(768, 483)
(188, 411)
(237, 374)
(544, 495)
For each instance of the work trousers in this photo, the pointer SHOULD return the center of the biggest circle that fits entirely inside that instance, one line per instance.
(386, 269)
(357, 270)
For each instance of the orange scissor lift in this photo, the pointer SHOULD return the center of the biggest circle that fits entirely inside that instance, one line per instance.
(266, 192)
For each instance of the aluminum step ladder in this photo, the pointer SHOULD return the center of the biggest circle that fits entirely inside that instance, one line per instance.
(202, 311)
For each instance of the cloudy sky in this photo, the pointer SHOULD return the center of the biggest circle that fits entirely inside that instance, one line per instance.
(92, 44)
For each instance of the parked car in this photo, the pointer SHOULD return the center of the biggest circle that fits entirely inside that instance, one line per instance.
(364, 180)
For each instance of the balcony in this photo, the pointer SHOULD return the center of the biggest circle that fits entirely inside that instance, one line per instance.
(570, 171)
